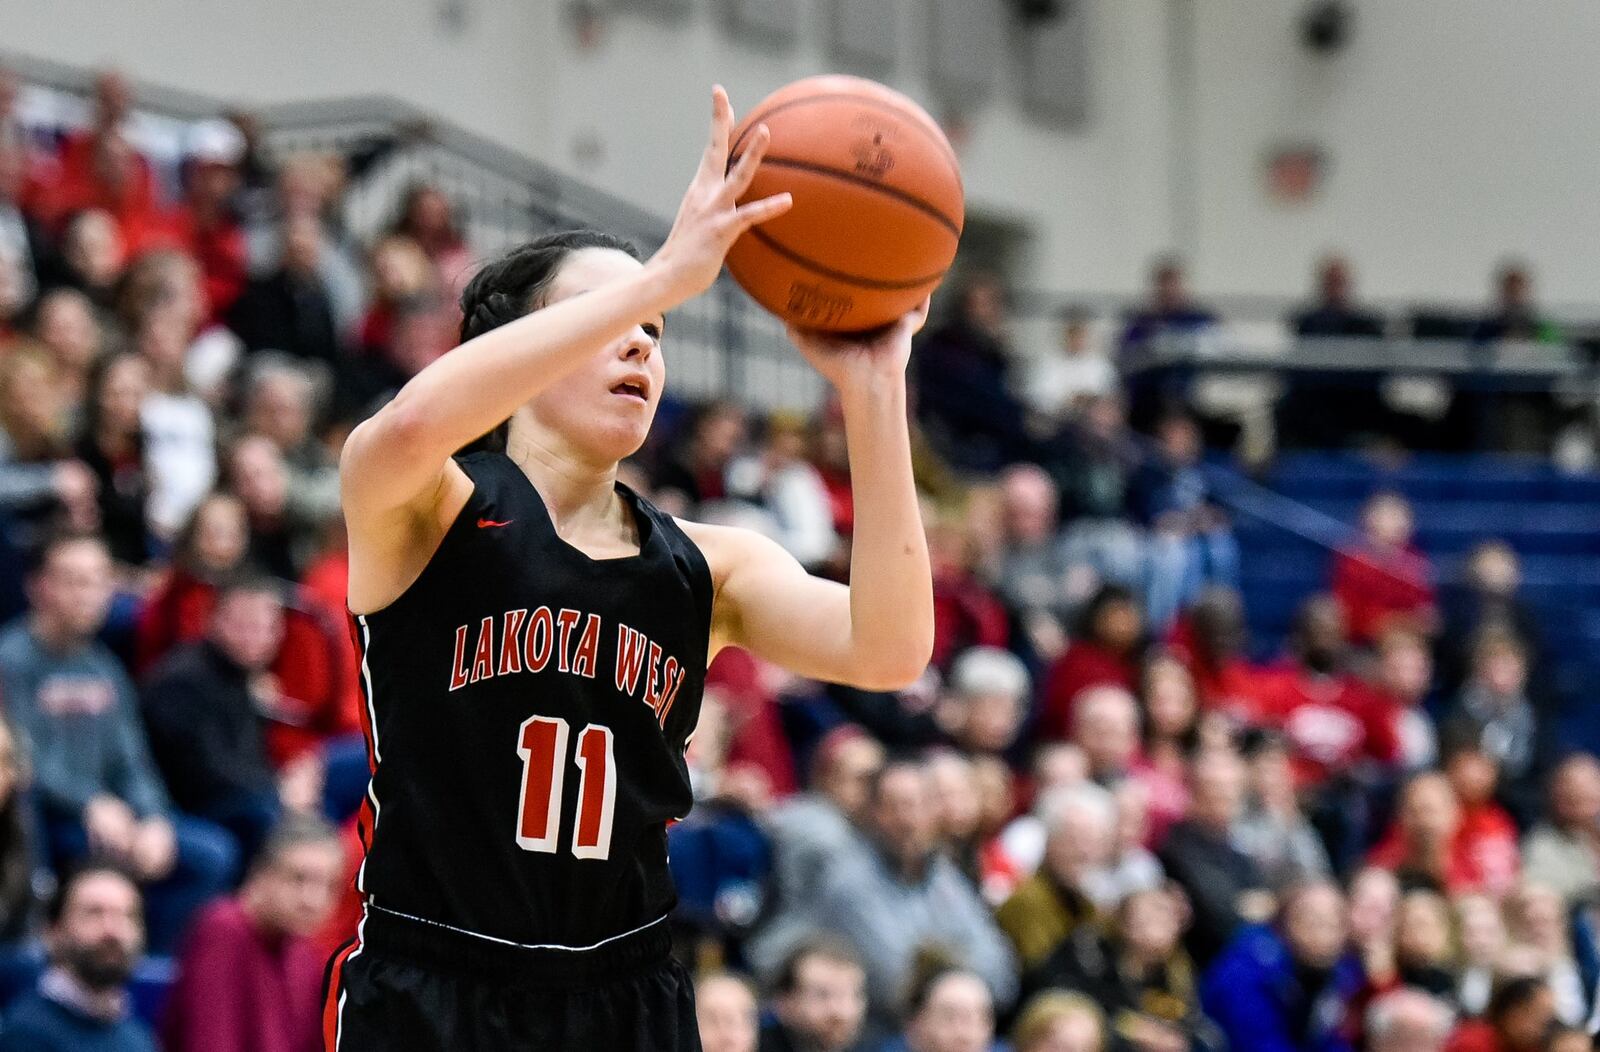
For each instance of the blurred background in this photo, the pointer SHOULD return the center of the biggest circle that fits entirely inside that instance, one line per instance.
(1257, 427)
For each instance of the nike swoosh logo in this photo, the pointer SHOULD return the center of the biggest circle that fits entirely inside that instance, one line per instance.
(484, 524)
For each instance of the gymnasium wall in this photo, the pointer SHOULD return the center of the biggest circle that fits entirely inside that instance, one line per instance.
(1431, 176)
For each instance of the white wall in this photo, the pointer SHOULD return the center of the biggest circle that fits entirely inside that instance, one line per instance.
(1457, 130)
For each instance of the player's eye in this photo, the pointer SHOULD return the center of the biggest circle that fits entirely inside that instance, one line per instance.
(652, 330)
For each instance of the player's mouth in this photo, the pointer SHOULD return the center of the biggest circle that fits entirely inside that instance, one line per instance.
(632, 389)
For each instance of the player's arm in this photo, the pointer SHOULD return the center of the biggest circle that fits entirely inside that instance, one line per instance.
(877, 633)
(397, 459)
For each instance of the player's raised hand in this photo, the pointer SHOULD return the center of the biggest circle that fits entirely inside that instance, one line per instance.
(710, 219)
(846, 358)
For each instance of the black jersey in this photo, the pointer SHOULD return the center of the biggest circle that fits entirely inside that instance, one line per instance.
(529, 708)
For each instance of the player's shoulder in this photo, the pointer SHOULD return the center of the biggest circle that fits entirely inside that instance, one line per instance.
(726, 548)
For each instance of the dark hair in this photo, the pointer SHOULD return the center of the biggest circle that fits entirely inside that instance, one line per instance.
(931, 968)
(1511, 994)
(183, 546)
(99, 376)
(248, 580)
(515, 284)
(292, 832)
(822, 947)
(1109, 595)
(57, 906)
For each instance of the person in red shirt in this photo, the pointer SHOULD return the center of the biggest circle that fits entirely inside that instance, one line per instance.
(250, 975)
(1104, 652)
(205, 224)
(1210, 640)
(1385, 579)
(1428, 841)
(966, 611)
(1488, 835)
(1334, 722)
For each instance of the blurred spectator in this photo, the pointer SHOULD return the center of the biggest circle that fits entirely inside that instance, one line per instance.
(281, 398)
(960, 379)
(1171, 735)
(1059, 384)
(1056, 1021)
(725, 1006)
(1138, 973)
(1094, 471)
(1515, 317)
(1428, 844)
(206, 704)
(1488, 599)
(95, 785)
(1036, 577)
(1374, 905)
(1222, 882)
(1422, 955)
(811, 833)
(1286, 988)
(1408, 1021)
(112, 446)
(308, 185)
(1273, 831)
(1334, 313)
(66, 326)
(95, 935)
(291, 309)
(428, 218)
(1386, 581)
(205, 223)
(1495, 709)
(1210, 640)
(280, 539)
(1342, 736)
(949, 1010)
(23, 245)
(819, 1000)
(1133, 866)
(1104, 652)
(1568, 1039)
(1519, 1016)
(92, 256)
(697, 471)
(987, 697)
(250, 977)
(1169, 311)
(36, 482)
(966, 611)
(1487, 830)
(1191, 540)
(1541, 944)
(1563, 851)
(1483, 947)
(1105, 725)
(905, 896)
(1044, 912)
(212, 545)
(780, 480)
(1403, 680)
(179, 430)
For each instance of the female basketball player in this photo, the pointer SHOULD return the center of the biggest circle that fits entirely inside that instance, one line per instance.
(535, 638)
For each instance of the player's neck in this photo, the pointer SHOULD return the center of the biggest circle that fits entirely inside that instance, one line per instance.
(577, 496)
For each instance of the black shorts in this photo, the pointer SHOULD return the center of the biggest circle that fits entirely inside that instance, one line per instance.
(411, 986)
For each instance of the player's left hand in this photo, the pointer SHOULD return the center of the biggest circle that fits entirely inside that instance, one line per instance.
(846, 359)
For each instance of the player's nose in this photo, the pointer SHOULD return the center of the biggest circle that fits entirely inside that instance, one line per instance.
(638, 346)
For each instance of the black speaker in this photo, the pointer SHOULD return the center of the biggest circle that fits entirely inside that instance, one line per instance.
(1326, 26)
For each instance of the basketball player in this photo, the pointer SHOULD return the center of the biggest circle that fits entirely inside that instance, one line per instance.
(535, 637)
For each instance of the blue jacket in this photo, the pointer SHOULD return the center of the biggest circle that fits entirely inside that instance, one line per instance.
(1253, 993)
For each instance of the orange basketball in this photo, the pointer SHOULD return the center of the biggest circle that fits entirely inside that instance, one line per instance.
(878, 205)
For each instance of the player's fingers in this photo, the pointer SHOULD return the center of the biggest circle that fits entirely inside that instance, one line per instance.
(919, 315)
(716, 157)
(758, 212)
(744, 169)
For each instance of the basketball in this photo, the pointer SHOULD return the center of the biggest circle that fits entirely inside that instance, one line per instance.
(878, 205)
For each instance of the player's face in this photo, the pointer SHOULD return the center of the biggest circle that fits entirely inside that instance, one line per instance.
(602, 410)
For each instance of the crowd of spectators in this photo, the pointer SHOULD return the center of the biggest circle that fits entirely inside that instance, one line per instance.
(1098, 822)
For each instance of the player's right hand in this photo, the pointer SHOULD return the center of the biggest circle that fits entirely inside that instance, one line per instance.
(710, 219)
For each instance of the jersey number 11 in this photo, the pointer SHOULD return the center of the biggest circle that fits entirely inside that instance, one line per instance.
(542, 744)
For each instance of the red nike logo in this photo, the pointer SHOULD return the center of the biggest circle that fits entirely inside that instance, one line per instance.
(484, 524)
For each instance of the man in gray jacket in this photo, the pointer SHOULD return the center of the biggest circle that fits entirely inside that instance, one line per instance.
(904, 897)
(77, 720)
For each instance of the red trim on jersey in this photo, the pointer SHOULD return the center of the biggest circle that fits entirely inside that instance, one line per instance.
(330, 1005)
